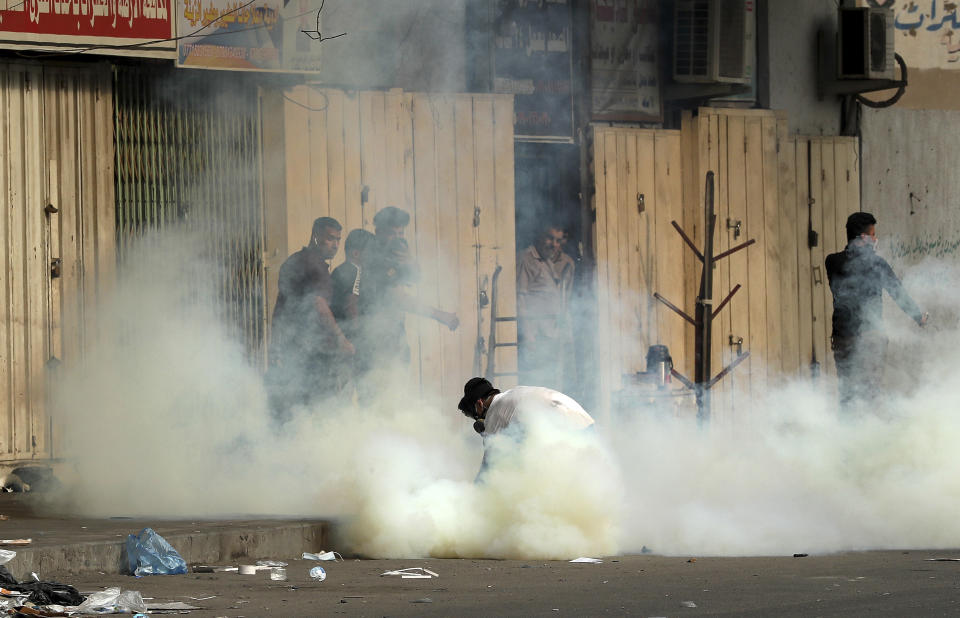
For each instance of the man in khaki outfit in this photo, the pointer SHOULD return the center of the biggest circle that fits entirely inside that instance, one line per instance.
(544, 281)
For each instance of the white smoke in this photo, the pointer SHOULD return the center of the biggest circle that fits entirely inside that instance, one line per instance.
(164, 417)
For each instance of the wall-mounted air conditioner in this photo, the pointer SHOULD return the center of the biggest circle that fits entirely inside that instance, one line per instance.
(865, 43)
(711, 41)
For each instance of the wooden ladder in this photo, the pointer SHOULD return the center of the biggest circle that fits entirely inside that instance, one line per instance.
(492, 343)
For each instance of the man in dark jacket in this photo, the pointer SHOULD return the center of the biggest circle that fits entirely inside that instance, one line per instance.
(306, 343)
(857, 278)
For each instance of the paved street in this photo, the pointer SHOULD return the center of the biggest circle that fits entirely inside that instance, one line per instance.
(892, 583)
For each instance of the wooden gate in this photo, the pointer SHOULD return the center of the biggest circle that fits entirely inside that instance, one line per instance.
(448, 161)
(57, 235)
(770, 186)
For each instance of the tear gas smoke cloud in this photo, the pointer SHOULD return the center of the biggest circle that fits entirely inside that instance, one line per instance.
(165, 418)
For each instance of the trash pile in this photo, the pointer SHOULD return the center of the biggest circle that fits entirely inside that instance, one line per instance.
(147, 553)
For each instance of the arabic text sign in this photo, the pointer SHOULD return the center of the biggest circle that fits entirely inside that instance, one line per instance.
(265, 35)
(59, 21)
(624, 78)
(927, 32)
(532, 60)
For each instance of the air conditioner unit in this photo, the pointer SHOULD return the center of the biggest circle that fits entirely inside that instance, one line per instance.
(711, 41)
(865, 43)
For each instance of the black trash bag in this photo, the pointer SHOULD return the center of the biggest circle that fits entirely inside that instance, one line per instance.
(42, 593)
(6, 578)
(50, 593)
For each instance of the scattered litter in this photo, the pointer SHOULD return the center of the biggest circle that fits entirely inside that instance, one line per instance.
(692, 560)
(4, 517)
(16, 541)
(46, 611)
(39, 593)
(248, 569)
(113, 601)
(35, 577)
(150, 554)
(325, 556)
(8, 604)
(175, 606)
(943, 559)
(278, 574)
(423, 600)
(412, 573)
(271, 563)
(800, 555)
(206, 568)
(588, 560)
(318, 573)
(689, 604)
(212, 596)
(11, 593)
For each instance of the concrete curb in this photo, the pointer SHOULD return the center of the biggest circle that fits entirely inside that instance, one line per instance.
(224, 545)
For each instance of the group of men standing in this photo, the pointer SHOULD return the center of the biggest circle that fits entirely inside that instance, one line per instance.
(340, 333)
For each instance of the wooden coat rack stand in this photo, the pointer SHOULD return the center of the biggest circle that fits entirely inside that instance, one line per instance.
(705, 313)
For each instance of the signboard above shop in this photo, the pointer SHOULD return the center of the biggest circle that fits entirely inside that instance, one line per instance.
(532, 59)
(137, 27)
(258, 35)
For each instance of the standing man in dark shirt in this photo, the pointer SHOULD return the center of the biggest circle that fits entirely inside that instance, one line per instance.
(857, 278)
(306, 343)
(384, 303)
(346, 296)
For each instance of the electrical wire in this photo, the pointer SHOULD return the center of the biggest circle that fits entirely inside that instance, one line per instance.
(147, 44)
(326, 103)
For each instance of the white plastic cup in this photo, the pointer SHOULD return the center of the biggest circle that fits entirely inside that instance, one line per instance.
(278, 574)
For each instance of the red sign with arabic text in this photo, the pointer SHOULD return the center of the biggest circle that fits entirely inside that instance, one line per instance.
(52, 20)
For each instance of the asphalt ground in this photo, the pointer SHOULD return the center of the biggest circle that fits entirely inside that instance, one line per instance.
(889, 583)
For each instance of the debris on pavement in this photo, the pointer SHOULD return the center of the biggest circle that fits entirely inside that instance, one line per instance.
(175, 606)
(318, 573)
(15, 541)
(800, 555)
(248, 569)
(209, 568)
(6, 555)
(269, 564)
(423, 600)
(113, 601)
(689, 604)
(39, 592)
(943, 560)
(692, 560)
(150, 554)
(586, 560)
(324, 556)
(412, 573)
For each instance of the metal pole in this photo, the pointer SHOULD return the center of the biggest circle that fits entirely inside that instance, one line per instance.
(704, 310)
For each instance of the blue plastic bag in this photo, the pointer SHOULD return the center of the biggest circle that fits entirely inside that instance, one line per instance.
(148, 553)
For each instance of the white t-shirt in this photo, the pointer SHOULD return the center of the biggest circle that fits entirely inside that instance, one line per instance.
(533, 400)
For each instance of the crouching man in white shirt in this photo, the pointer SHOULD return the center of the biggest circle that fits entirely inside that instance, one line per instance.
(493, 411)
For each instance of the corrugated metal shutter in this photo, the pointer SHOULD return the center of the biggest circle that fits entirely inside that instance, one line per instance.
(188, 152)
(56, 235)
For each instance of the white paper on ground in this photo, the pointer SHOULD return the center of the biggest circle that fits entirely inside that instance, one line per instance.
(588, 560)
(412, 573)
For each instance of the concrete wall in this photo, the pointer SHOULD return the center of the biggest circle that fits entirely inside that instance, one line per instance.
(791, 49)
(910, 182)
